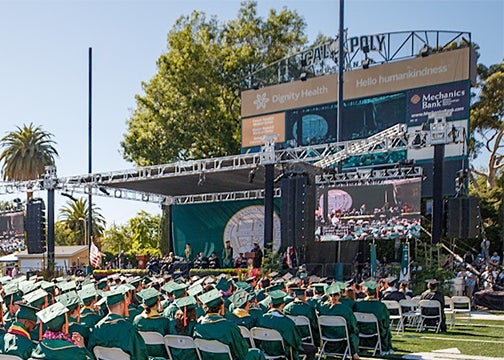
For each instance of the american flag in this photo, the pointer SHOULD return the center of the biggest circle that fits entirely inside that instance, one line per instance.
(94, 256)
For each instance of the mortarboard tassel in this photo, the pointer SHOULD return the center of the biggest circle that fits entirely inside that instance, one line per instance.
(78, 312)
(11, 307)
(185, 316)
(1, 315)
(126, 310)
(222, 309)
(40, 331)
(160, 306)
(46, 303)
(65, 326)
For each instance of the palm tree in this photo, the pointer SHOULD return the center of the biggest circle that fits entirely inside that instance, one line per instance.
(74, 217)
(26, 153)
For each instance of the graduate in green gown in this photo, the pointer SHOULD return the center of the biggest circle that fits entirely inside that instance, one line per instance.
(372, 305)
(151, 320)
(72, 302)
(239, 311)
(114, 330)
(56, 344)
(17, 340)
(300, 307)
(38, 299)
(215, 327)
(88, 315)
(334, 307)
(276, 319)
(183, 324)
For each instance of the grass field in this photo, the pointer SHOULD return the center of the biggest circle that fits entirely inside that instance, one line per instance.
(481, 338)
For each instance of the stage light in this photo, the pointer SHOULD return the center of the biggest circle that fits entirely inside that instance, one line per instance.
(255, 85)
(201, 179)
(365, 63)
(251, 175)
(303, 76)
(425, 50)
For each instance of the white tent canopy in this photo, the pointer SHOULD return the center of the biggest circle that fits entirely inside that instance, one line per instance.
(9, 258)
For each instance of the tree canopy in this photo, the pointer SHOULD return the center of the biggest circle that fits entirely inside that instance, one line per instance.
(26, 153)
(190, 109)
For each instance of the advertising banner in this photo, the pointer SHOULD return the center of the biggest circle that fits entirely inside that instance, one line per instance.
(453, 96)
(446, 67)
(372, 255)
(405, 268)
(255, 129)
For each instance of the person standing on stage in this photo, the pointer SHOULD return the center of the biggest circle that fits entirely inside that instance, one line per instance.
(227, 255)
(258, 256)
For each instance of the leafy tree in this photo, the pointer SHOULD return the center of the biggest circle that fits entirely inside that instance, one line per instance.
(140, 236)
(26, 153)
(191, 107)
(487, 120)
(74, 218)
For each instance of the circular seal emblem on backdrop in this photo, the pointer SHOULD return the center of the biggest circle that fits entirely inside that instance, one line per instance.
(246, 227)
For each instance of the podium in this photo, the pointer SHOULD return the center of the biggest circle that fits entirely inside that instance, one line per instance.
(250, 256)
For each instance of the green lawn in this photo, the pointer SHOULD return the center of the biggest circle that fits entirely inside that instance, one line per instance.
(481, 337)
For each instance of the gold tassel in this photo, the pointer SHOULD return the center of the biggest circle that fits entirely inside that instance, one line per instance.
(126, 310)
(247, 306)
(160, 306)
(40, 332)
(46, 304)
(78, 312)
(222, 309)
(11, 307)
(65, 326)
(185, 316)
(1, 315)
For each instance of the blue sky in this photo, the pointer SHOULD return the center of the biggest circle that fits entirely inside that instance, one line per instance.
(44, 61)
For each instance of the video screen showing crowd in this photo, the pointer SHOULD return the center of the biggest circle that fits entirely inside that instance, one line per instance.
(389, 211)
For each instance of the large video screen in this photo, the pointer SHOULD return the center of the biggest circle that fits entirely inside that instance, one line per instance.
(390, 210)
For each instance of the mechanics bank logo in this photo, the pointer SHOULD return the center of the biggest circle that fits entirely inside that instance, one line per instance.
(415, 99)
(261, 101)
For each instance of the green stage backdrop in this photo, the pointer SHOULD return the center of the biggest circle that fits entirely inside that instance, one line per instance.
(207, 226)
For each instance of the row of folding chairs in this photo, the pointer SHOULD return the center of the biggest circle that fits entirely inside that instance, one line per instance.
(408, 313)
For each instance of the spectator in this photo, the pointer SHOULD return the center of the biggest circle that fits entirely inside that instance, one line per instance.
(495, 259)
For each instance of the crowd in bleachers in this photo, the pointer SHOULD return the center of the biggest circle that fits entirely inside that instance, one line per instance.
(11, 241)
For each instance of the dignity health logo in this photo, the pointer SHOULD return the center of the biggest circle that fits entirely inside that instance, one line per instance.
(261, 101)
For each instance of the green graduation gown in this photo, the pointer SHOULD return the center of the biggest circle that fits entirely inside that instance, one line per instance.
(82, 329)
(353, 331)
(153, 322)
(216, 327)
(89, 317)
(183, 354)
(242, 317)
(381, 312)
(17, 341)
(299, 307)
(60, 350)
(116, 331)
(275, 319)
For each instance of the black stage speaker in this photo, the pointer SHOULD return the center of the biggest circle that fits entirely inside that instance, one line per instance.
(463, 218)
(298, 212)
(35, 226)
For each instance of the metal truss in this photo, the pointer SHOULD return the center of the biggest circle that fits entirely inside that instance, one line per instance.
(396, 46)
(369, 176)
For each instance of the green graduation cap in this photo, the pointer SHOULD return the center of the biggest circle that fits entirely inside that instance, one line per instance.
(115, 296)
(239, 298)
(28, 286)
(275, 287)
(127, 287)
(135, 281)
(243, 286)
(36, 298)
(53, 316)
(223, 284)
(370, 285)
(259, 294)
(320, 287)
(195, 290)
(87, 293)
(333, 289)
(102, 284)
(70, 299)
(47, 285)
(277, 297)
(300, 292)
(67, 286)
(187, 302)
(149, 296)
(27, 312)
(211, 298)
(5, 279)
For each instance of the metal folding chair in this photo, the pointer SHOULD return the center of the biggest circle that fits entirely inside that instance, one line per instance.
(369, 318)
(206, 348)
(325, 321)
(110, 353)
(303, 322)
(179, 342)
(260, 334)
(430, 306)
(395, 313)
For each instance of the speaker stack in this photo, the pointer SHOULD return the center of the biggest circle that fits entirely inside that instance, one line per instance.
(463, 218)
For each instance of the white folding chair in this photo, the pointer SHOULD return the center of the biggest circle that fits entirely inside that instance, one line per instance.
(368, 318)
(245, 333)
(303, 322)
(205, 347)
(448, 311)
(410, 313)
(260, 334)
(179, 342)
(433, 306)
(109, 353)
(152, 337)
(10, 357)
(325, 321)
(462, 305)
(395, 312)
